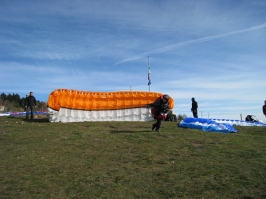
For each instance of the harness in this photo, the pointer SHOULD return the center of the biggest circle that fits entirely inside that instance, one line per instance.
(161, 110)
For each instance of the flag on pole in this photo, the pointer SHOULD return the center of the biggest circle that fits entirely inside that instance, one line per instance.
(149, 77)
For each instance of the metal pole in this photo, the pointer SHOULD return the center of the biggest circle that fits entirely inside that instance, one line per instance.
(149, 72)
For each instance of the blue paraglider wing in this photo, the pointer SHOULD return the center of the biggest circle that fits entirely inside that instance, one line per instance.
(206, 125)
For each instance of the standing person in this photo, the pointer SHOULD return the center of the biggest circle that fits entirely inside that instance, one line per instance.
(159, 111)
(194, 107)
(264, 108)
(30, 104)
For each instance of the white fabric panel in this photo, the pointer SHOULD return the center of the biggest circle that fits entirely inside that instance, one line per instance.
(70, 115)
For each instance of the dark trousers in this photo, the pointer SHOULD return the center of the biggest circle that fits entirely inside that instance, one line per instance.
(158, 123)
(195, 114)
(31, 108)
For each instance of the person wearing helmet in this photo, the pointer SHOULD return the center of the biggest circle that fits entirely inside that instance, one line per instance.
(160, 108)
(194, 107)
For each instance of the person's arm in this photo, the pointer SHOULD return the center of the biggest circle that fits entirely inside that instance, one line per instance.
(155, 104)
(26, 102)
(168, 110)
(35, 102)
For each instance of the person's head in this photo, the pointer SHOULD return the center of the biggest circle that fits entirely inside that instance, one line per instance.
(193, 99)
(165, 98)
(27, 95)
(265, 102)
(31, 93)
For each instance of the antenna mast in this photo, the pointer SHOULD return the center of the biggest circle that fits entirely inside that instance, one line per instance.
(149, 74)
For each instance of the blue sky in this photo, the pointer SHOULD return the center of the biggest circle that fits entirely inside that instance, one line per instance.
(212, 50)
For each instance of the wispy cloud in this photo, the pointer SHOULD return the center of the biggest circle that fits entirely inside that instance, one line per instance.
(181, 44)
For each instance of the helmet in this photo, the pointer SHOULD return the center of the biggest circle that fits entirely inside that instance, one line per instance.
(166, 97)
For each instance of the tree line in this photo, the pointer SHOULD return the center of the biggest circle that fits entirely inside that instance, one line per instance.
(13, 102)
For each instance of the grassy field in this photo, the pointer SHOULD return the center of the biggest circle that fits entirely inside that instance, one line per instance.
(126, 160)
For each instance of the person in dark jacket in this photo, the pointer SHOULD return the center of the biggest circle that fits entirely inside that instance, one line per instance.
(194, 107)
(160, 109)
(264, 108)
(30, 104)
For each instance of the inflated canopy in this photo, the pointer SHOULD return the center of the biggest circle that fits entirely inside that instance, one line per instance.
(76, 106)
(82, 100)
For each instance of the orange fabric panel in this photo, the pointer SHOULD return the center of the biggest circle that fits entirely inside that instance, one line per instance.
(171, 103)
(82, 100)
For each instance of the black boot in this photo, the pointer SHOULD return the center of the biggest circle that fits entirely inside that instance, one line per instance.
(153, 127)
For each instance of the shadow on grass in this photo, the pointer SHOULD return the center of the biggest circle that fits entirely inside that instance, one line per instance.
(42, 120)
(37, 120)
(129, 131)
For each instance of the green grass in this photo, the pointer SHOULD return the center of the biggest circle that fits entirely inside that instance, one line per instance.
(126, 160)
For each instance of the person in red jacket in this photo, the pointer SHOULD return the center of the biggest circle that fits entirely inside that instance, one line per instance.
(159, 111)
